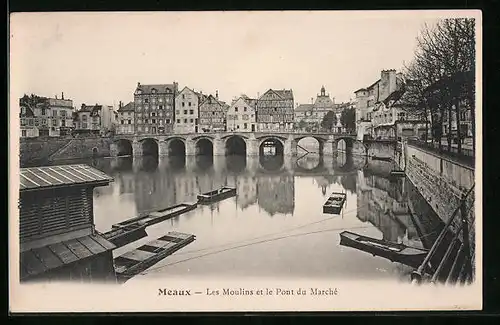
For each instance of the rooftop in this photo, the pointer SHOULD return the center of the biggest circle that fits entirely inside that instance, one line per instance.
(304, 107)
(127, 108)
(161, 89)
(40, 260)
(37, 178)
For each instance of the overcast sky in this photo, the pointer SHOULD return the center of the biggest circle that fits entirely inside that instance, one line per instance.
(100, 57)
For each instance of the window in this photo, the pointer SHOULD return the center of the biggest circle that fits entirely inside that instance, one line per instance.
(244, 109)
(54, 113)
(23, 122)
(129, 122)
(237, 126)
(185, 120)
(189, 103)
(213, 113)
(54, 122)
(177, 112)
(183, 104)
(122, 121)
(236, 109)
(43, 111)
(191, 111)
(153, 121)
(160, 107)
(23, 133)
(153, 114)
(191, 120)
(245, 126)
(185, 112)
(44, 121)
(183, 98)
(146, 100)
(139, 107)
(178, 121)
(168, 121)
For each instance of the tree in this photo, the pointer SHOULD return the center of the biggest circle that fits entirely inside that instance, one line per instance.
(348, 119)
(302, 124)
(329, 120)
(442, 73)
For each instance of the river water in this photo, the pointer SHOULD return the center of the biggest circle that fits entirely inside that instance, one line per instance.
(275, 225)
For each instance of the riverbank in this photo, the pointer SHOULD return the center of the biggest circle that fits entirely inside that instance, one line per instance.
(40, 151)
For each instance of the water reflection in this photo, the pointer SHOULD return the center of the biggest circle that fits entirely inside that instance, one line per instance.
(275, 193)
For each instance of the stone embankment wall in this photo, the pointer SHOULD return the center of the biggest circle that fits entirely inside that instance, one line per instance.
(441, 182)
(43, 151)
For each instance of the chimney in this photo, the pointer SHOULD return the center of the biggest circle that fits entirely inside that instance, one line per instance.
(217, 94)
(138, 84)
(56, 96)
(62, 95)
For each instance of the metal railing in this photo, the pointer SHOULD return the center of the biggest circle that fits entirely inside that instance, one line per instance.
(466, 156)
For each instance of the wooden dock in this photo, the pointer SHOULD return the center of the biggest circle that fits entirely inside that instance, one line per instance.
(125, 235)
(138, 260)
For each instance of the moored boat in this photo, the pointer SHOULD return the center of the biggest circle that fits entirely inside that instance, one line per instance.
(157, 216)
(217, 195)
(397, 173)
(382, 158)
(125, 235)
(138, 260)
(334, 203)
(395, 252)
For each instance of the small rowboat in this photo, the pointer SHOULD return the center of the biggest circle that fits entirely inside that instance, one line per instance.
(217, 195)
(401, 253)
(157, 216)
(334, 203)
(397, 173)
(382, 158)
(125, 235)
(138, 260)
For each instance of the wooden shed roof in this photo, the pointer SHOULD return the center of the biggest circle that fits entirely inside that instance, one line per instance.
(39, 178)
(43, 259)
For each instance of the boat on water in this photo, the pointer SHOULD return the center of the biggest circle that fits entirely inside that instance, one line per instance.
(334, 203)
(138, 260)
(217, 195)
(397, 173)
(125, 235)
(157, 216)
(382, 158)
(395, 252)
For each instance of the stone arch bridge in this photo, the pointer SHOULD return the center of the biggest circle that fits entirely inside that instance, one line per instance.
(225, 143)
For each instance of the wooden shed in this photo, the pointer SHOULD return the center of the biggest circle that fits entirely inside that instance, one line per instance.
(57, 235)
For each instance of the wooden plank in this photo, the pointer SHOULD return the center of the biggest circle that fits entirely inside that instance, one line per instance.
(91, 245)
(158, 243)
(171, 239)
(63, 252)
(31, 263)
(48, 258)
(78, 249)
(137, 255)
(105, 243)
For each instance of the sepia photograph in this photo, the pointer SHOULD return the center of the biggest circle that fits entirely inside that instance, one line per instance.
(245, 161)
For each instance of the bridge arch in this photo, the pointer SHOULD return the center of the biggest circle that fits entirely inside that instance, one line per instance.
(310, 164)
(149, 146)
(123, 147)
(235, 145)
(272, 163)
(176, 146)
(271, 146)
(310, 144)
(350, 145)
(204, 147)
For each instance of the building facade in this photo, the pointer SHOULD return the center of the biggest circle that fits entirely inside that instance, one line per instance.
(322, 105)
(241, 115)
(95, 119)
(212, 115)
(187, 111)
(379, 112)
(155, 108)
(275, 110)
(125, 119)
(42, 116)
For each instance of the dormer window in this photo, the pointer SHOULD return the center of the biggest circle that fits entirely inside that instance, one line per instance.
(168, 91)
(153, 91)
(138, 91)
